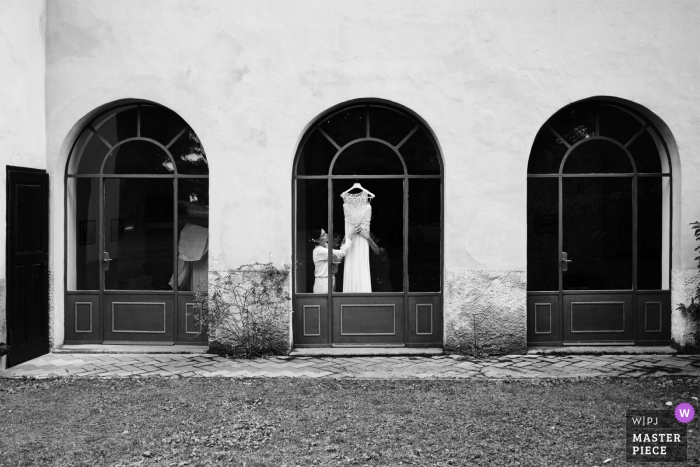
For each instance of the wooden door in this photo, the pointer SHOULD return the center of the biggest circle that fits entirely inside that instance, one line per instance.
(27, 264)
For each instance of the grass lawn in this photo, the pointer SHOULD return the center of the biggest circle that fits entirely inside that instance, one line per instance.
(198, 421)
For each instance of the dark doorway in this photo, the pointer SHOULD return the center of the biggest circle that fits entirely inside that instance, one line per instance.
(27, 264)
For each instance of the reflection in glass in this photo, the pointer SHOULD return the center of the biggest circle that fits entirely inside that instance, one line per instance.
(618, 124)
(138, 233)
(649, 233)
(547, 153)
(597, 156)
(160, 124)
(598, 233)
(424, 235)
(368, 158)
(189, 155)
(386, 227)
(82, 229)
(118, 125)
(347, 125)
(389, 125)
(93, 153)
(316, 155)
(138, 157)
(193, 234)
(645, 154)
(575, 122)
(312, 213)
(542, 234)
(420, 155)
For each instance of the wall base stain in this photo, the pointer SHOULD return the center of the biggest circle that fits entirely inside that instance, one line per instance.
(498, 301)
(684, 282)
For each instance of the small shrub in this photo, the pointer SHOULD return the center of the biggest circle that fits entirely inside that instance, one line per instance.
(247, 310)
(692, 310)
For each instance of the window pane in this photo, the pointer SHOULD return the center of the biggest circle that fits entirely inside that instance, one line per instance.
(575, 122)
(316, 155)
(347, 125)
(138, 157)
(312, 216)
(618, 124)
(547, 153)
(542, 234)
(119, 125)
(389, 125)
(649, 233)
(381, 264)
(420, 155)
(598, 233)
(93, 154)
(82, 228)
(646, 156)
(368, 158)
(189, 155)
(597, 156)
(138, 232)
(160, 124)
(193, 234)
(424, 235)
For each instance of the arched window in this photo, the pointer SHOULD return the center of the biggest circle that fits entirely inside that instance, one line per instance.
(599, 185)
(392, 156)
(137, 197)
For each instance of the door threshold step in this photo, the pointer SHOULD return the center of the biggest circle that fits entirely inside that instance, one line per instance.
(367, 352)
(131, 349)
(603, 350)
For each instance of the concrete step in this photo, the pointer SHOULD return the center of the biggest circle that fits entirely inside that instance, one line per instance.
(131, 349)
(367, 352)
(603, 350)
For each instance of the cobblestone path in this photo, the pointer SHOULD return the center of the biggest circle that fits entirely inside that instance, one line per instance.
(436, 367)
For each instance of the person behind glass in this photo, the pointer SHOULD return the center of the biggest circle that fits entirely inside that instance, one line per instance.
(320, 257)
(378, 264)
(337, 262)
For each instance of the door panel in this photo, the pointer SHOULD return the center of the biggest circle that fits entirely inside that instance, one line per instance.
(138, 317)
(310, 321)
(189, 326)
(654, 317)
(368, 320)
(27, 265)
(83, 319)
(598, 318)
(424, 320)
(543, 319)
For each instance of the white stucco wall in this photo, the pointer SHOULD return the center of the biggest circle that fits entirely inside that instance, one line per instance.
(485, 75)
(22, 118)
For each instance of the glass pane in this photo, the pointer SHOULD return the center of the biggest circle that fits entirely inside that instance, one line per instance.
(542, 234)
(598, 233)
(374, 265)
(138, 232)
(347, 125)
(368, 158)
(83, 245)
(618, 124)
(138, 157)
(118, 126)
(547, 153)
(189, 155)
(93, 154)
(312, 216)
(389, 125)
(316, 155)
(575, 122)
(645, 154)
(420, 155)
(597, 156)
(193, 234)
(649, 233)
(424, 235)
(160, 124)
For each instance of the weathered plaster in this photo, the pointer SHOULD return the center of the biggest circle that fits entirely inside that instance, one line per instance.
(496, 299)
(22, 106)
(685, 281)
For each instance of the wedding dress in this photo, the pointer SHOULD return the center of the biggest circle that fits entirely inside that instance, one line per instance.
(356, 273)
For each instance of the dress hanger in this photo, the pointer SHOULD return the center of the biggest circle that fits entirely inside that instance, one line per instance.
(357, 185)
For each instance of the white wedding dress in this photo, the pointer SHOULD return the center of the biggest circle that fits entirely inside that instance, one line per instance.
(356, 274)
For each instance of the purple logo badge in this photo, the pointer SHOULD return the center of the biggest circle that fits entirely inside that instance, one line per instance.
(684, 412)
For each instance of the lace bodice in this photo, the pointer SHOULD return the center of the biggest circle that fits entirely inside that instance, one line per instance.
(357, 209)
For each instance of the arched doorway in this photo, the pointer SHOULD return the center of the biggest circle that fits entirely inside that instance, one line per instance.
(393, 156)
(599, 188)
(137, 218)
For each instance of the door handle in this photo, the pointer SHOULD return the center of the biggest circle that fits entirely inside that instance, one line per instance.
(565, 261)
(105, 260)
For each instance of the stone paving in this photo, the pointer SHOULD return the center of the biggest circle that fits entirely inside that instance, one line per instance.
(435, 367)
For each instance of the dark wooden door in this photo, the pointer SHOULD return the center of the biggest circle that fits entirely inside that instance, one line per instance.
(27, 264)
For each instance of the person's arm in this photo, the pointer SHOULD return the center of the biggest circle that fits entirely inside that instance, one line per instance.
(347, 243)
(374, 246)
